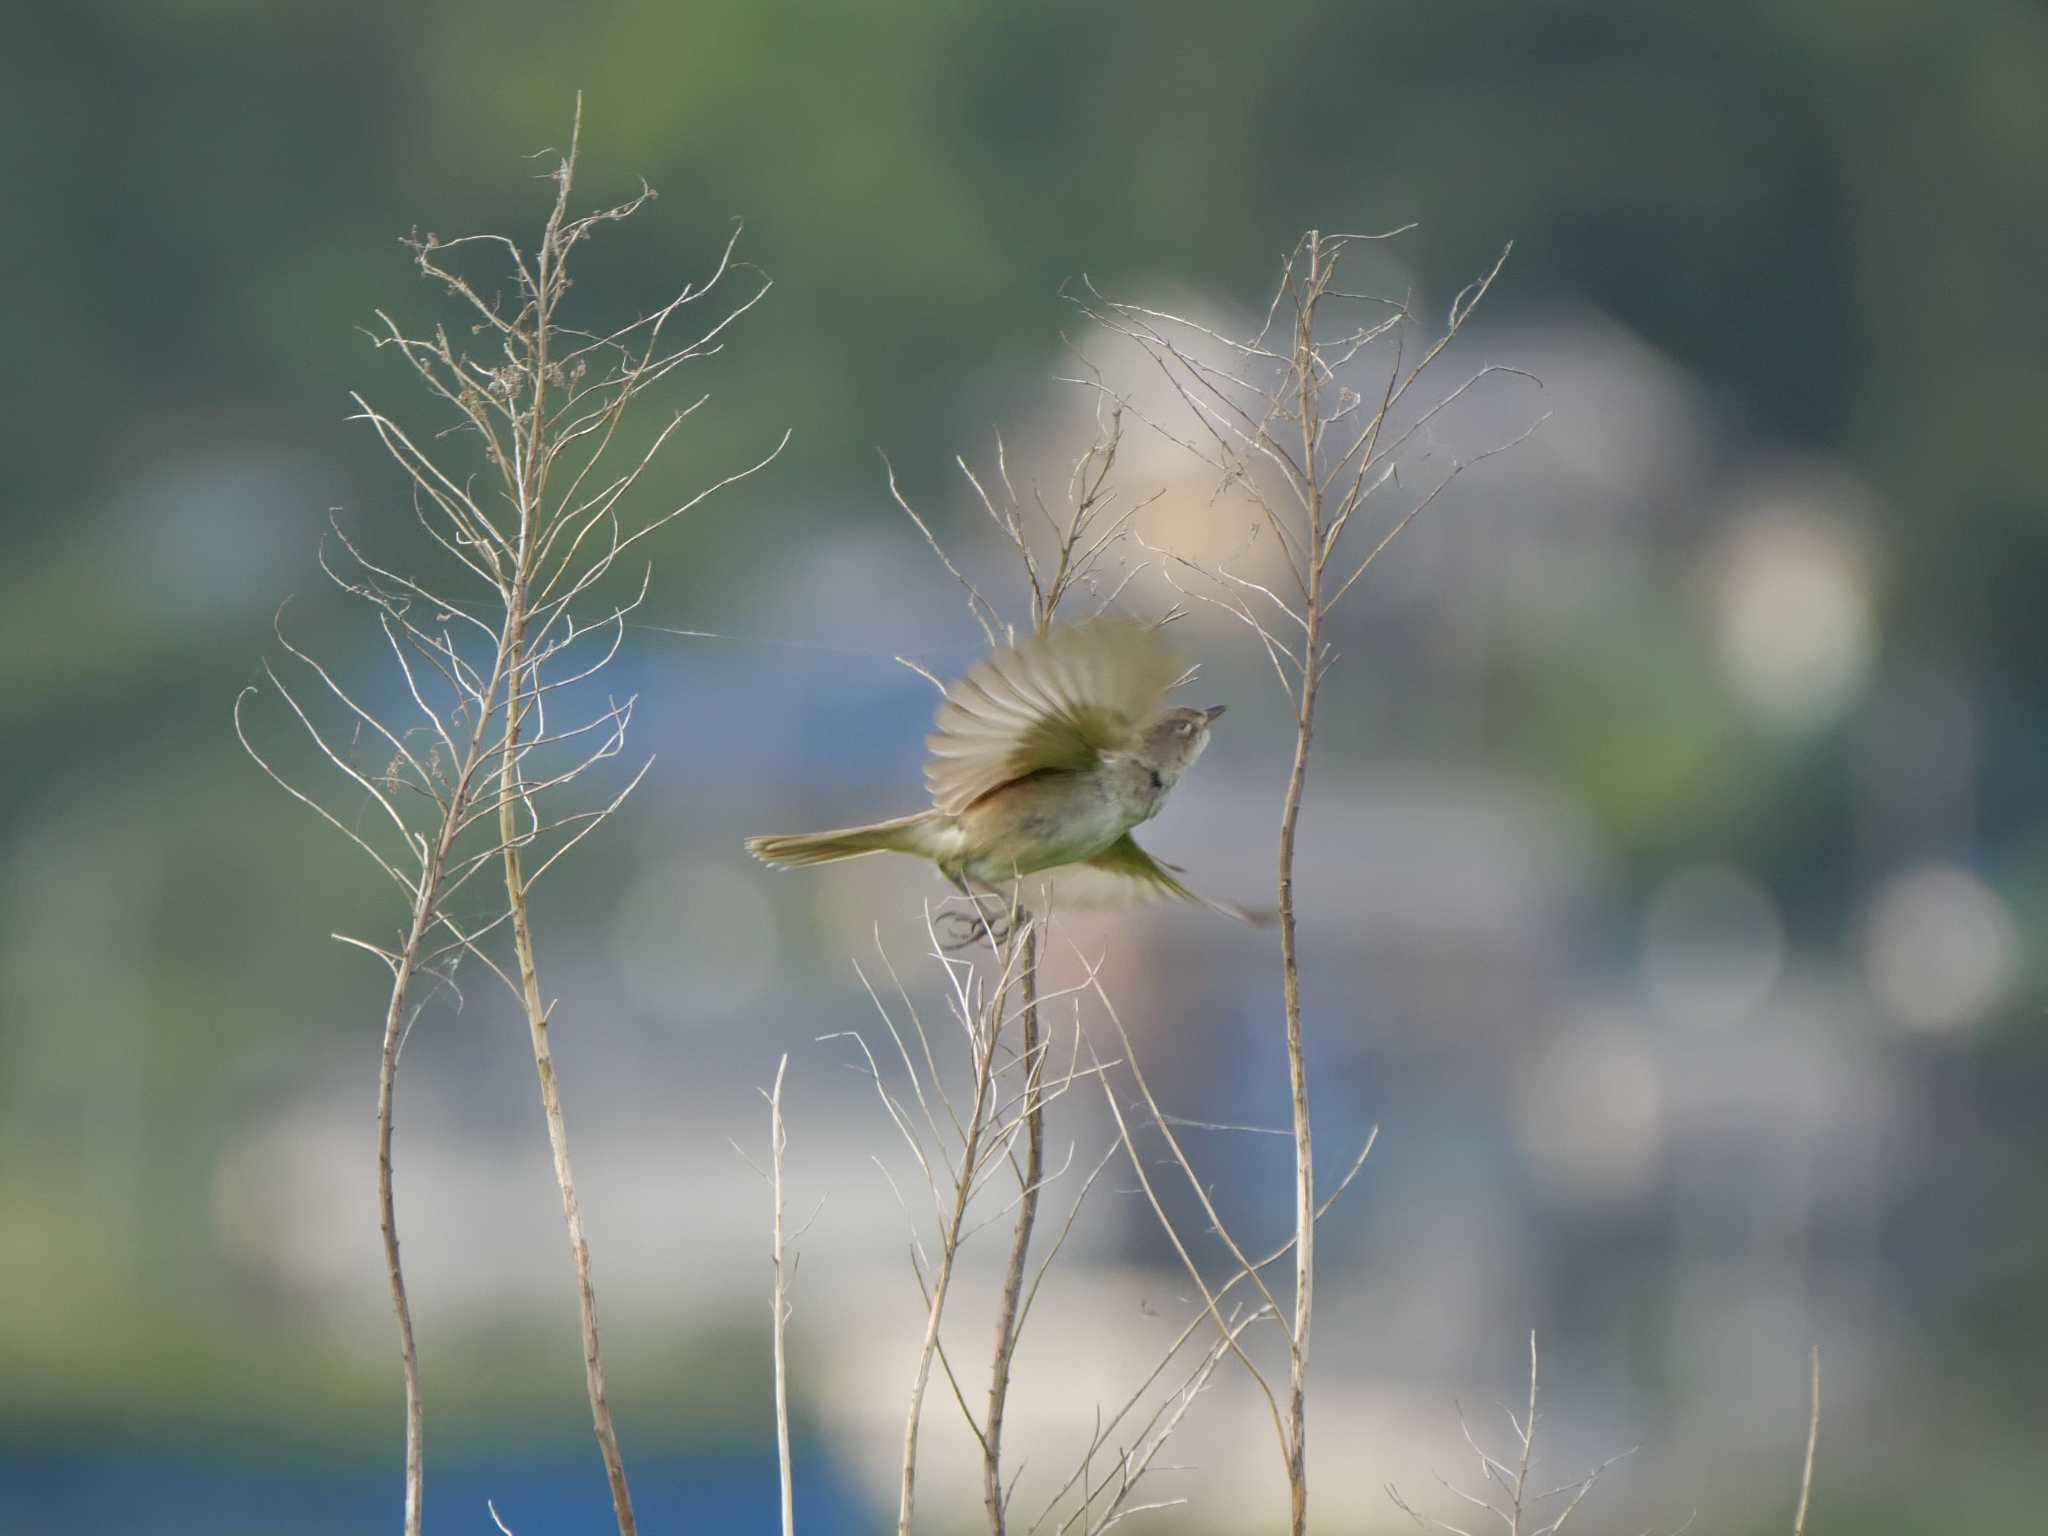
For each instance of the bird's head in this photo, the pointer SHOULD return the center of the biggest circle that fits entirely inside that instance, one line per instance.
(1172, 742)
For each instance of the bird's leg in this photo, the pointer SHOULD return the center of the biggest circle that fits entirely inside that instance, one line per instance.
(968, 928)
(1010, 916)
(961, 928)
(958, 930)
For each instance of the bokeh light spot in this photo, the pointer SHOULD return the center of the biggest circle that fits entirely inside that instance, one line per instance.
(1794, 615)
(1939, 948)
(1713, 946)
(1588, 1113)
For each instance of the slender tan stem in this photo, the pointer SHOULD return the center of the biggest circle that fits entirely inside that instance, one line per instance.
(777, 1140)
(949, 1249)
(1020, 1243)
(1290, 966)
(537, 1018)
(387, 1087)
(1812, 1445)
(527, 475)
(425, 915)
(1327, 474)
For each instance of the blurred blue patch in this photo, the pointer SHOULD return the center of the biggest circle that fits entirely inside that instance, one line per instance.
(555, 1491)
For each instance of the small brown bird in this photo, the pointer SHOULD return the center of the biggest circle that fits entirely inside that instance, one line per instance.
(1044, 758)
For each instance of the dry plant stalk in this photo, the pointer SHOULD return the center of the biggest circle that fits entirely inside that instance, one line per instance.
(1277, 419)
(1509, 1497)
(960, 1143)
(1090, 524)
(518, 623)
(1230, 1326)
(1812, 1445)
(1008, 1310)
(778, 1143)
(782, 1264)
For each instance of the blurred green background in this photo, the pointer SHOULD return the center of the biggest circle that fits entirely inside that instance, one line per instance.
(1682, 828)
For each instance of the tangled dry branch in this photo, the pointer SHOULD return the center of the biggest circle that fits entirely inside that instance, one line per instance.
(526, 491)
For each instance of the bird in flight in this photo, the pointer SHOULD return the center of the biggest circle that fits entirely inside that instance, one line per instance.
(1043, 759)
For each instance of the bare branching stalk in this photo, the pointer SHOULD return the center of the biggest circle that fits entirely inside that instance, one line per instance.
(959, 1145)
(1308, 297)
(1230, 1325)
(517, 490)
(952, 1231)
(1506, 1493)
(1058, 553)
(1286, 424)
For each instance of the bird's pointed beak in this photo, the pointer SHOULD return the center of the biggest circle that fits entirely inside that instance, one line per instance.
(1214, 712)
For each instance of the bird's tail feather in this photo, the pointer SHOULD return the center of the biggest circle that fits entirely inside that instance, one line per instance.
(906, 834)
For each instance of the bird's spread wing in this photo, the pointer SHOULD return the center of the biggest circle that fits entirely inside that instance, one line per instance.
(1057, 700)
(1124, 875)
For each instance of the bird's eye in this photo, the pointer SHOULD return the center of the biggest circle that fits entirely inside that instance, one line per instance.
(1182, 727)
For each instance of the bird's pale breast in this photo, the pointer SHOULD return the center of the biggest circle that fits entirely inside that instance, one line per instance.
(1043, 821)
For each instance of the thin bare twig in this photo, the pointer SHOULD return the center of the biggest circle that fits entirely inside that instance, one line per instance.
(778, 1139)
(1812, 1444)
(976, 1130)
